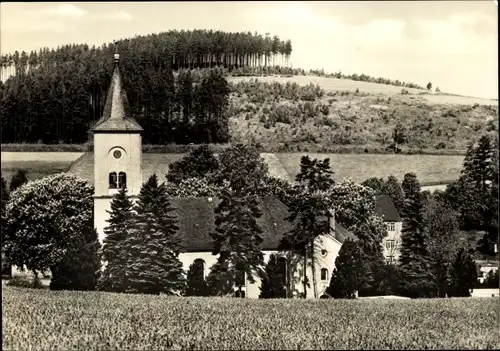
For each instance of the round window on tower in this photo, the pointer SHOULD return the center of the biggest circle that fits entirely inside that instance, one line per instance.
(117, 154)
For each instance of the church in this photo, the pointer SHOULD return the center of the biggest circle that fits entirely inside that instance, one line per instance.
(118, 161)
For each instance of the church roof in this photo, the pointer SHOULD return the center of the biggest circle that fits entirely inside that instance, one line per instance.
(385, 208)
(196, 221)
(117, 115)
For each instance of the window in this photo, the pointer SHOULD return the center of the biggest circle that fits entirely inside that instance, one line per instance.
(112, 180)
(282, 270)
(122, 180)
(117, 154)
(324, 274)
(324, 253)
(239, 279)
(390, 244)
(391, 226)
(390, 259)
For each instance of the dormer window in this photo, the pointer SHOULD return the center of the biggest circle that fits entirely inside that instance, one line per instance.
(391, 226)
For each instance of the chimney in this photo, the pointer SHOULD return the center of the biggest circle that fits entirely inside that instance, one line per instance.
(332, 219)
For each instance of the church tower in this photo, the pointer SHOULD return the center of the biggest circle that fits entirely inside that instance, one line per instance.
(117, 151)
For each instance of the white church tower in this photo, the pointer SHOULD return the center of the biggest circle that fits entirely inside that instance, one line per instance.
(117, 151)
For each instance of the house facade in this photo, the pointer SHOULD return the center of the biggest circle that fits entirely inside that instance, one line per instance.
(385, 208)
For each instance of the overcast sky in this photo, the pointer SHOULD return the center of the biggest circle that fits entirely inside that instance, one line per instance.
(452, 44)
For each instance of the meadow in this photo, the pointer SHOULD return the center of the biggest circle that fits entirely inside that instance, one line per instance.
(430, 169)
(47, 320)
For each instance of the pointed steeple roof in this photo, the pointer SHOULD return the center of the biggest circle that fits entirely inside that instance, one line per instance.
(117, 116)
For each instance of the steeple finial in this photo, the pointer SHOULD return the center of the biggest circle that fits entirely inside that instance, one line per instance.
(117, 55)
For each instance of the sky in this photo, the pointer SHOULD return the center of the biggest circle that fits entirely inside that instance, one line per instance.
(453, 44)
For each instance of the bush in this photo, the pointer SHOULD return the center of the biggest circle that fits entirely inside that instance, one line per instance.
(25, 281)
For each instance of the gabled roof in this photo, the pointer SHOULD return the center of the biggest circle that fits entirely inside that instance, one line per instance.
(117, 115)
(384, 207)
(196, 221)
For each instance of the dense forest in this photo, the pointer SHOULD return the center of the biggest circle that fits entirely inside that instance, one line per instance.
(174, 80)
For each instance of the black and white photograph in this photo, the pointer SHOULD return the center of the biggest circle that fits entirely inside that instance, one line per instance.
(249, 175)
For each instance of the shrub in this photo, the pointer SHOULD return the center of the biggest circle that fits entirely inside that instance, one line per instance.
(25, 281)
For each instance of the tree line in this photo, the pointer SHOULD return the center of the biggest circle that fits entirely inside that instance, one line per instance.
(142, 243)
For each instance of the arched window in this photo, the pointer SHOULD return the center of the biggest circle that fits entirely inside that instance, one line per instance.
(122, 180)
(239, 278)
(282, 270)
(199, 265)
(324, 274)
(113, 180)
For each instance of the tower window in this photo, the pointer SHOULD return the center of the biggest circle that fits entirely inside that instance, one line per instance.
(117, 154)
(122, 180)
(113, 180)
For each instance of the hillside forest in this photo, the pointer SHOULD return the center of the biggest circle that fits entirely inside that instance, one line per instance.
(180, 91)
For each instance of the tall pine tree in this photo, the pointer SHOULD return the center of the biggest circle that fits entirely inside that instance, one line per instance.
(153, 248)
(120, 226)
(18, 179)
(414, 258)
(238, 237)
(463, 274)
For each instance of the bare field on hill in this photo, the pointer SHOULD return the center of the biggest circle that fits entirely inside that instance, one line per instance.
(430, 169)
(333, 84)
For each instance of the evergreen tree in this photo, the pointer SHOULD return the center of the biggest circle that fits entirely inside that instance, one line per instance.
(347, 277)
(5, 193)
(18, 179)
(393, 189)
(153, 247)
(195, 281)
(80, 269)
(221, 279)
(273, 280)
(120, 226)
(414, 258)
(315, 175)
(463, 274)
(237, 237)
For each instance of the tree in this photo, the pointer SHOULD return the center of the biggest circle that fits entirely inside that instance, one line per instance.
(414, 258)
(120, 226)
(195, 187)
(393, 189)
(220, 280)
(237, 237)
(315, 175)
(443, 230)
(5, 194)
(154, 245)
(195, 280)
(41, 237)
(429, 86)
(242, 167)
(196, 164)
(463, 274)
(347, 277)
(18, 179)
(80, 269)
(398, 136)
(273, 279)
(491, 281)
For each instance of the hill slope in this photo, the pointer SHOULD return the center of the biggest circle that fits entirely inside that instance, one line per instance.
(284, 114)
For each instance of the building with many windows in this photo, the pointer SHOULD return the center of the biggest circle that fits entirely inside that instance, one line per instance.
(386, 209)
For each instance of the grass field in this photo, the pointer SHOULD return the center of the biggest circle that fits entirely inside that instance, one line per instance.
(430, 169)
(46, 320)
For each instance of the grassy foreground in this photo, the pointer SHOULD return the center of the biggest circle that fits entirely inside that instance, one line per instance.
(43, 320)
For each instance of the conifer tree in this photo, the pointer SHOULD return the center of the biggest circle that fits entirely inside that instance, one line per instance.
(5, 193)
(414, 258)
(237, 237)
(18, 179)
(195, 280)
(347, 277)
(221, 279)
(196, 164)
(393, 189)
(273, 280)
(153, 247)
(120, 227)
(463, 274)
